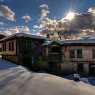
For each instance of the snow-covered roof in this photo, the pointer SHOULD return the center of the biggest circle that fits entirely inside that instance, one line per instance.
(23, 35)
(81, 41)
(72, 42)
(3, 33)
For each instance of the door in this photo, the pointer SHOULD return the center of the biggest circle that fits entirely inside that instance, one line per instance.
(92, 69)
(55, 54)
(80, 68)
(27, 62)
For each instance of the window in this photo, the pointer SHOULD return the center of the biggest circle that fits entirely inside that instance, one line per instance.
(93, 53)
(4, 46)
(79, 53)
(76, 53)
(72, 53)
(11, 46)
(27, 44)
(55, 49)
(30, 44)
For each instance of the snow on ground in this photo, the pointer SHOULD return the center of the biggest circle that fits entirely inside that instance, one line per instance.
(89, 79)
(15, 80)
(6, 64)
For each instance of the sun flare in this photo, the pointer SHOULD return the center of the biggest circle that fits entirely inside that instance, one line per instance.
(70, 16)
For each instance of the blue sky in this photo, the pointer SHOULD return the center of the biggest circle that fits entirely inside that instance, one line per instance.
(58, 8)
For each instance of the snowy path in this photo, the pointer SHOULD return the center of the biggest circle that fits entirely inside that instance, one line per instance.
(15, 80)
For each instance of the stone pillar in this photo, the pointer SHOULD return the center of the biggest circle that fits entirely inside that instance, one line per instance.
(86, 68)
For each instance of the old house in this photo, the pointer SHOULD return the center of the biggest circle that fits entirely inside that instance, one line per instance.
(22, 48)
(71, 56)
(32, 51)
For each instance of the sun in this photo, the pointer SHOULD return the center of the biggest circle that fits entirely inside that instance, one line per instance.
(70, 16)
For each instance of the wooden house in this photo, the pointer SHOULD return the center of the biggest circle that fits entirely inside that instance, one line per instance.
(22, 48)
(71, 56)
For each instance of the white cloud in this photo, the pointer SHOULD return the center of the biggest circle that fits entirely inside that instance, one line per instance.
(26, 17)
(44, 10)
(36, 26)
(44, 6)
(6, 12)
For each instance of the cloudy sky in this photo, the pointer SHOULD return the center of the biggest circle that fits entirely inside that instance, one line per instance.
(58, 8)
